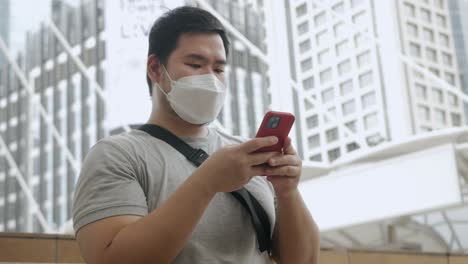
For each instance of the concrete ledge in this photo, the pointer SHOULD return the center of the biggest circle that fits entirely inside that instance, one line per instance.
(40, 248)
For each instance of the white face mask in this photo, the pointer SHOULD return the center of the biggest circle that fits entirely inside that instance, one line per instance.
(197, 99)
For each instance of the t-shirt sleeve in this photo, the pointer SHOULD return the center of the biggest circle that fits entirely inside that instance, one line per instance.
(107, 186)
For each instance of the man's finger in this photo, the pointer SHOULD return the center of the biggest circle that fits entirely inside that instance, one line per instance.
(259, 170)
(288, 148)
(260, 158)
(258, 143)
(284, 160)
(290, 171)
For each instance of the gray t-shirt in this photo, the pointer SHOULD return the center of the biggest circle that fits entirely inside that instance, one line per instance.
(134, 173)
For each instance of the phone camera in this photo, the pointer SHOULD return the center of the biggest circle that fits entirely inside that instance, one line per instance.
(273, 122)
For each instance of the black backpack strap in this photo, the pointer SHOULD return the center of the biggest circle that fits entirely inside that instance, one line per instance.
(257, 213)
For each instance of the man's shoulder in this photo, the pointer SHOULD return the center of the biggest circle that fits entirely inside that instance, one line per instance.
(127, 143)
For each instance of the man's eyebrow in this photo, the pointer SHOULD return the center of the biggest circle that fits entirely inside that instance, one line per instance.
(203, 58)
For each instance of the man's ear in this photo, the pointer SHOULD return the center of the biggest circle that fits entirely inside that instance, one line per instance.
(154, 68)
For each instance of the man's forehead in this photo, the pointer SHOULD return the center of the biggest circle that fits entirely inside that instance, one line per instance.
(209, 45)
(205, 58)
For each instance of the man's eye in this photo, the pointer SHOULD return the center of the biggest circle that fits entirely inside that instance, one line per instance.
(219, 70)
(195, 66)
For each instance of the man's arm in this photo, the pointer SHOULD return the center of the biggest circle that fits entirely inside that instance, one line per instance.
(155, 238)
(296, 236)
(159, 236)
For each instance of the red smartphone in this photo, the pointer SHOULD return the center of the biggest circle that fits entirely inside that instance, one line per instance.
(275, 124)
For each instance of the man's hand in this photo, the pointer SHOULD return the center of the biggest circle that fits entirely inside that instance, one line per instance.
(231, 167)
(284, 171)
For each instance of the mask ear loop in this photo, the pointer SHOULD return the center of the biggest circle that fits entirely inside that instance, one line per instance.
(170, 79)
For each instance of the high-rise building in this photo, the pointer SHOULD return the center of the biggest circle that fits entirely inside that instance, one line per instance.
(460, 35)
(79, 114)
(364, 84)
(4, 24)
(68, 100)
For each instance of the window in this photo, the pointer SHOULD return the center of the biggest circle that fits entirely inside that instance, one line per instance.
(322, 37)
(328, 95)
(324, 57)
(349, 107)
(351, 125)
(314, 141)
(365, 79)
(450, 78)
(439, 117)
(339, 8)
(332, 134)
(418, 74)
(424, 113)
(359, 40)
(452, 100)
(317, 157)
(360, 18)
(456, 119)
(346, 87)
(374, 139)
(441, 21)
(308, 105)
(431, 54)
(308, 83)
(344, 67)
(428, 35)
(325, 76)
(444, 40)
(355, 3)
(312, 122)
(342, 48)
(320, 19)
(425, 129)
(340, 29)
(334, 154)
(303, 28)
(412, 29)
(304, 46)
(368, 100)
(301, 10)
(421, 91)
(438, 95)
(410, 10)
(332, 113)
(352, 146)
(415, 50)
(446, 59)
(306, 64)
(370, 121)
(434, 71)
(363, 58)
(426, 15)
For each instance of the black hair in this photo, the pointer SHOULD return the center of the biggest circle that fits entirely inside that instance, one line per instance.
(167, 29)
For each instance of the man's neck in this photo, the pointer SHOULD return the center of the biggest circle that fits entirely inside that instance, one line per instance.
(177, 125)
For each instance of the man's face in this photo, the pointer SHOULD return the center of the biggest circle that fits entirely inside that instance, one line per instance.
(196, 54)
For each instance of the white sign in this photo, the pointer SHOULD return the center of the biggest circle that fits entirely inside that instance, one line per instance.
(128, 23)
(405, 185)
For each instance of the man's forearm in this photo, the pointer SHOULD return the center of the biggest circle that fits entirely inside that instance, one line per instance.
(161, 235)
(298, 236)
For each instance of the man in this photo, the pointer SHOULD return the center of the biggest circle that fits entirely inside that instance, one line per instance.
(138, 200)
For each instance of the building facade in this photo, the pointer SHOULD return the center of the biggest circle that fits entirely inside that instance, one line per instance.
(348, 63)
(460, 34)
(4, 24)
